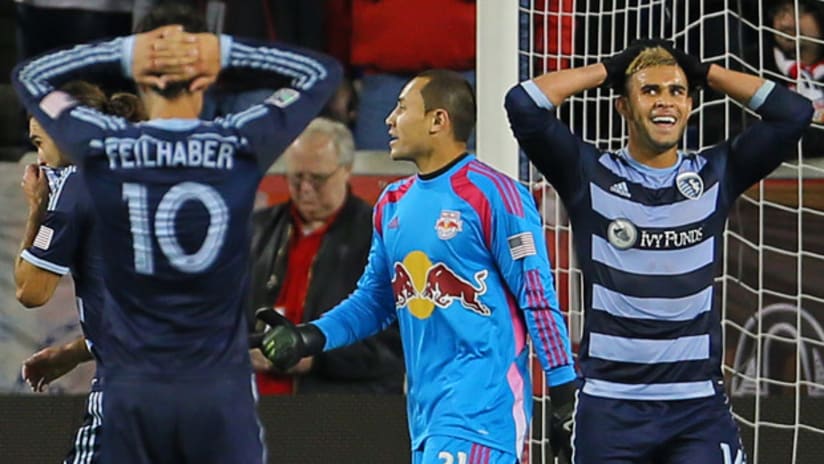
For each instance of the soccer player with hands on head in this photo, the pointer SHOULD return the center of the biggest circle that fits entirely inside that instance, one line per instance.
(172, 199)
(458, 258)
(648, 223)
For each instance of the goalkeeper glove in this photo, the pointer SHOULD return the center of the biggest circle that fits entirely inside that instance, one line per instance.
(562, 402)
(286, 343)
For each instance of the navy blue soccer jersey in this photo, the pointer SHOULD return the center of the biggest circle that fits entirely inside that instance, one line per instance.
(648, 240)
(173, 200)
(459, 259)
(67, 242)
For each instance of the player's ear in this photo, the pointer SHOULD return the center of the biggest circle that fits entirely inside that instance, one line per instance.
(439, 121)
(621, 106)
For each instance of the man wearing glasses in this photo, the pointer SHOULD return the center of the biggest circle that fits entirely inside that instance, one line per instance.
(307, 256)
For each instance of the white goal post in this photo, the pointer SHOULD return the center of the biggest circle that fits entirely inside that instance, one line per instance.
(770, 290)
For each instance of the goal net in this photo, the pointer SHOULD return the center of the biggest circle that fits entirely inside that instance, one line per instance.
(770, 292)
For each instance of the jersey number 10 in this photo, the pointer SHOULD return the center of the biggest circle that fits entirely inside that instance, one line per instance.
(136, 196)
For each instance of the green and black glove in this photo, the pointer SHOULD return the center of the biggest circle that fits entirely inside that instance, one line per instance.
(562, 402)
(285, 343)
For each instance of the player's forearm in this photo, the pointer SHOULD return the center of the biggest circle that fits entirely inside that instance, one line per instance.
(36, 78)
(76, 351)
(356, 318)
(310, 71)
(739, 86)
(560, 85)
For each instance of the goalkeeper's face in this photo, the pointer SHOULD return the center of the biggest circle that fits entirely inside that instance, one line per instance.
(409, 124)
(656, 106)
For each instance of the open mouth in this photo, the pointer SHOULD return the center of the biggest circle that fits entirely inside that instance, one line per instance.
(664, 121)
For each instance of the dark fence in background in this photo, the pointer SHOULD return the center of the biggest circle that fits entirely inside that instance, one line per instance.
(299, 430)
(343, 429)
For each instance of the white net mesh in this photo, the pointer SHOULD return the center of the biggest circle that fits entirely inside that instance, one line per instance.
(771, 285)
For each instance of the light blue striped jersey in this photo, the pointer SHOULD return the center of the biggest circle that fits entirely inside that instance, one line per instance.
(648, 242)
(459, 258)
(173, 201)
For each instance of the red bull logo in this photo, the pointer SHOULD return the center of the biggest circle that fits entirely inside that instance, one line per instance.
(448, 225)
(421, 286)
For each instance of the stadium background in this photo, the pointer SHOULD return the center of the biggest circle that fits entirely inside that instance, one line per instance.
(773, 254)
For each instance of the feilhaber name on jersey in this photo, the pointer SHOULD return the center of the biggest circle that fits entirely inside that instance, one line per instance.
(152, 153)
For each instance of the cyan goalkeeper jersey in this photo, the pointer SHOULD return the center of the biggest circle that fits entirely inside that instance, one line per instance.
(459, 258)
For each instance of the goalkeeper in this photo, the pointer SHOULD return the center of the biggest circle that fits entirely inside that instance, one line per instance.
(458, 258)
(648, 223)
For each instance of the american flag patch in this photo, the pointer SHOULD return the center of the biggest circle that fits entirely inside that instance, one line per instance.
(43, 238)
(521, 245)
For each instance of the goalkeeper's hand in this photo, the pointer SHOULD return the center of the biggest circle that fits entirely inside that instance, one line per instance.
(285, 343)
(562, 402)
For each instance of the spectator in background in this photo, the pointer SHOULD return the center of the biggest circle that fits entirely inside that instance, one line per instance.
(393, 40)
(308, 253)
(793, 54)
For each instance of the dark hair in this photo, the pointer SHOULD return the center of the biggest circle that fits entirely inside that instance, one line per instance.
(127, 106)
(87, 94)
(167, 14)
(123, 104)
(451, 92)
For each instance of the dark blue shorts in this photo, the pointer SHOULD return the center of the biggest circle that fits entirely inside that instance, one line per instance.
(86, 446)
(176, 422)
(613, 431)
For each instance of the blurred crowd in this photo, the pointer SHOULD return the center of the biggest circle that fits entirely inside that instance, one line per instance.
(382, 44)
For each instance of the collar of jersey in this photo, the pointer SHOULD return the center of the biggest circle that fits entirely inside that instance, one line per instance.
(450, 168)
(173, 124)
(649, 170)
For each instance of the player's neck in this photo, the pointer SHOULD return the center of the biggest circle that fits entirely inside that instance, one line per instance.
(184, 107)
(651, 157)
(439, 157)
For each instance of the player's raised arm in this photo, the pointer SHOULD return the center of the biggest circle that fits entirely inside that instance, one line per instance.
(784, 115)
(74, 126)
(272, 125)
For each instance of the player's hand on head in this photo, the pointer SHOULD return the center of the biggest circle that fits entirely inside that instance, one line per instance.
(35, 186)
(208, 65)
(694, 68)
(617, 64)
(169, 54)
